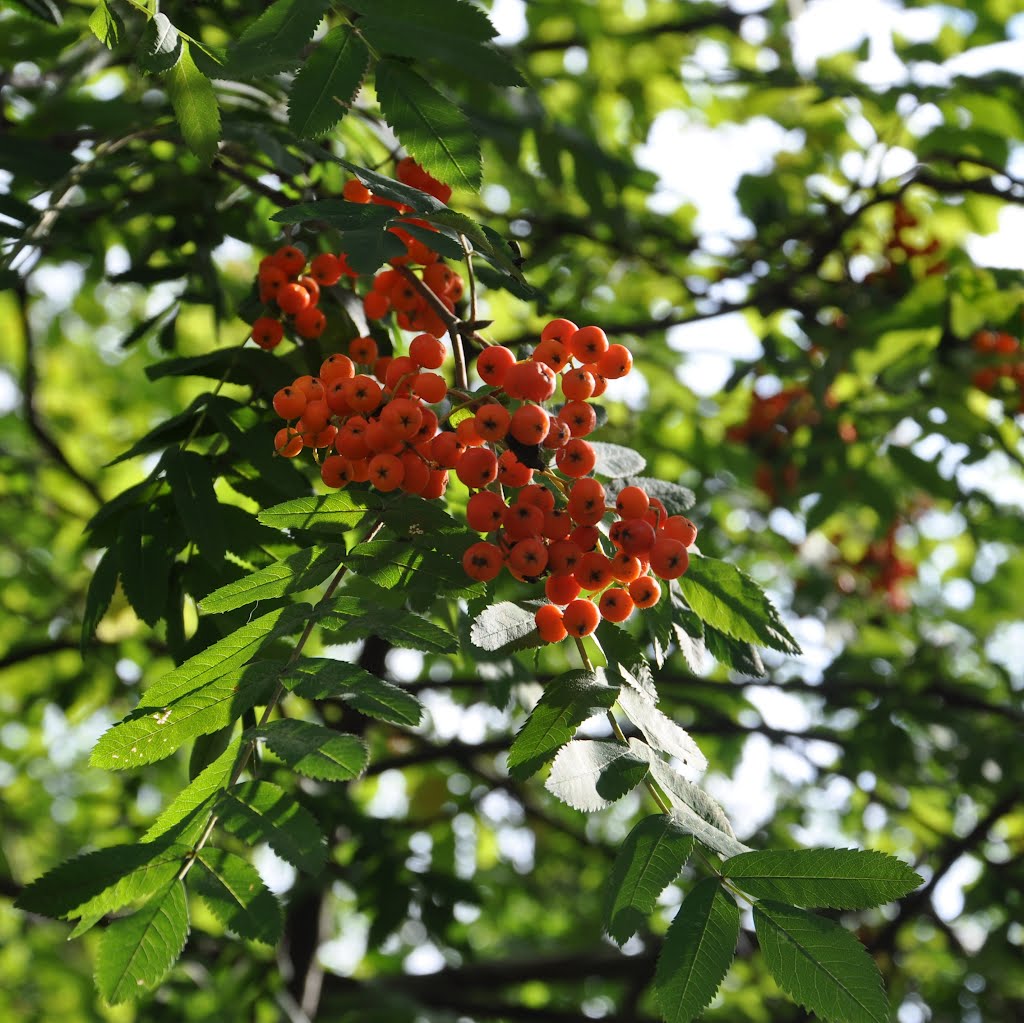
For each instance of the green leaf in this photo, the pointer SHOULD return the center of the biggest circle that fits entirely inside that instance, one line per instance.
(431, 127)
(820, 965)
(322, 678)
(695, 811)
(830, 878)
(677, 499)
(145, 562)
(273, 41)
(101, 591)
(160, 47)
(297, 572)
(578, 768)
(649, 860)
(106, 25)
(339, 510)
(622, 776)
(315, 751)
(137, 952)
(616, 461)
(102, 881)
(567, 702)
(328, 82)
(502, 624)
(339, 213)
(257, 811)
(191, 481)
(225, 655)
(199, 793)
(460, 18)
(44, 10)
(399, 564)
(660, 731)
(698, 949)
(367, 250)
(433, 40)
(730, 601)
(402, 628)
(195, 106)
(733, 652)
(152, 732)
(237, 896)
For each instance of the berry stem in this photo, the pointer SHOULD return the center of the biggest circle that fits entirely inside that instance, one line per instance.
(250, 747)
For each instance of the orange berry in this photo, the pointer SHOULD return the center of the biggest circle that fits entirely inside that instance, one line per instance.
(288, 442)
(446, 449)
(476, 467)
(581, 617)
(427, 351)
(493, 365)
(417, 473)
(311, 286)
(564, 556)
(431, 387)
(626, 567)
(530, 381)
(594, 572)
(550, 624)
(636, 536)
(669, 559)
(376, 305)
(585, 537)
(428, 427)
(326, 269)
(615, 363)
(290, 259)
(561, 589)
(363, 350)
(356, 191)
(267, 332)
(292, 298)
(512, 472)
(576, 459)
(587, 501)
(386, 472)
(615, 605)
(557, 524)
(336, 367)
(529, 558)
(529, 424)
(558, 434)
(632, 502)
(289, 403)
(351, 440)
(437, 486)
(310, 322)
(466, 431)
(680, 528)
(315, 415)
(312, 387)
(552, 353)
(492, 422)
(580, 416)
(577, 384)
(381, 439)
(538, 496)
(336, 471)
(522, 521)
(588, 344)
(363, 393)
(645, 591)
(400, 373)
(558, 330)
(482, 561)
(485, 511)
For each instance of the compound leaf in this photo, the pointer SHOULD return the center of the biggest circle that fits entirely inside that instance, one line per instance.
(237, 896)
(316, 751)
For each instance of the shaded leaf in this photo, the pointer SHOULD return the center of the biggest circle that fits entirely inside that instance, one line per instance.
(160, 47)
(322, 678)
(649, 860)
(660, 731)
(145, 562)
(237, 896)
(315, 751)
(339, 510)
(698, 949)
(191, 481)
(102, 586)
(577, 770)
(459, 17)
(328, 82)
(402, 628)
(195, 105)
(106, 25)
(137, 952)
(273, 41)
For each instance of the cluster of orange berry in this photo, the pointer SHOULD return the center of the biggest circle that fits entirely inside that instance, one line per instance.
(885, 571)
(378, 422)
(1003, 373)
(294, 294)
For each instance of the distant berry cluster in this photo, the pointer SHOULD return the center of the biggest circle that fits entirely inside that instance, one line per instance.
(1002, 371)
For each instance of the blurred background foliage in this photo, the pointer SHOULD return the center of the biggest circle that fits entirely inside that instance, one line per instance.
(806, 223)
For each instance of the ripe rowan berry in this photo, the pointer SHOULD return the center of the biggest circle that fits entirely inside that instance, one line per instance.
(558, 330)
(493, 365)
(363, 393)
(428, 427)
(312, 387)
(632, 502)
(538, 496)
(386, 472)
(326, 269)
(615, 605)
(615, 363)
(482, 561)
(289, 403)
(561, 589)
(558, 434)
(580, 416)
(381, 439)
(446, 449)
(476, 467)
(530, 381)
(522, 521)
(290, 259)
(315, 415)
(626, 567)
(355, 191)
(557, 524)
(528, 557)
(552, 353)
(564, 556)
(550, 624)
(680, 528)
(336, 367)
(417, 473)
(288, 442)
(492, 421)
(529, 424)
(594, 571)
(512, 472)
(636, 536)
(485, 511)
(438, 277)
(267, 332)
(292, 298)
(427, 351)
(311, 286)
(400, 373)
(588, 344)
(581, 617)
(585, 537)
(363, 350)
(645, 591)
(336, 471)
(576, 459)
(577, 384)
(669, 559)
(351, 440)
(376, 305)
(431, 387)
(310, 322)
(587, 501)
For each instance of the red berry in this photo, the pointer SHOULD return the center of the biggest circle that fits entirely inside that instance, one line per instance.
(550, 624)
(581, 617)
